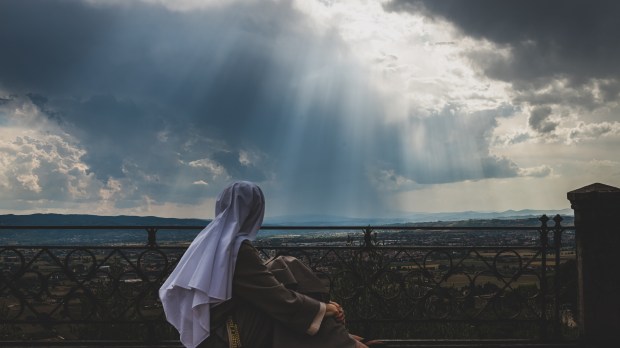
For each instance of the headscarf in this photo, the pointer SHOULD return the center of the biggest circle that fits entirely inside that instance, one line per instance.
(203, 276)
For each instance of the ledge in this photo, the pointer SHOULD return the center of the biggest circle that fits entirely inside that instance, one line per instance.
(395, 343)
(478, 343)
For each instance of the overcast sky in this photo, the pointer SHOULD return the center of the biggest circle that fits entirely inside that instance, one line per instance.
(349, 108)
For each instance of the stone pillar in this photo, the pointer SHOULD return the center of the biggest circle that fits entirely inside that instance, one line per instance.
(597, 234)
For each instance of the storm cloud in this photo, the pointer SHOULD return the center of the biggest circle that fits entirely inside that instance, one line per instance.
(172, 105)
(574, 39)
(166, 106)
(558, 57)
(539, 120)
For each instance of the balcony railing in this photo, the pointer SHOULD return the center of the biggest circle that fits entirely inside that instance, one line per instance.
(396, 282)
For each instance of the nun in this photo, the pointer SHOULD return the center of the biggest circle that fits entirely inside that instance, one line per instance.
(221, 294)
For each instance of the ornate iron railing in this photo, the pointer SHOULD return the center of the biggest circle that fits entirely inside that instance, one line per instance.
(393, 282)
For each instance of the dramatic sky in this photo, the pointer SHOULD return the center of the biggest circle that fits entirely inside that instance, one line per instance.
(350, 108)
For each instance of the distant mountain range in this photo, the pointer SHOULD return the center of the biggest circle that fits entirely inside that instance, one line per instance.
(315, 220)
(92, 237)
(95, 220)
(122, 236)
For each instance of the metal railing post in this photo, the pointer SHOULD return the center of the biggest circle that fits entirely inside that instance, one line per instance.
(544, 241)
(557, 246)
(152, 237)
(368, 237)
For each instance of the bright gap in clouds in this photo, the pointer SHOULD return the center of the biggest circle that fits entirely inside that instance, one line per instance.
(423, 93)
(445, 111)
(417, 63)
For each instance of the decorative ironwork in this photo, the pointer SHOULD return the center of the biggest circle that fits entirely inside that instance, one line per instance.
(101, 292)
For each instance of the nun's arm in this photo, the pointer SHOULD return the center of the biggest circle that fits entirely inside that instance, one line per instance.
(254, 284)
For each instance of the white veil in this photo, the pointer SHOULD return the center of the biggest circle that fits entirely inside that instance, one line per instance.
(203, 276)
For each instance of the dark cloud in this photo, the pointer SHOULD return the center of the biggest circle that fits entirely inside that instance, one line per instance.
(5, 100)
(148, 91)
(162, 102)
(556, 93)
(539, 120)
(610, 90)
(48, 41)
(572, 39)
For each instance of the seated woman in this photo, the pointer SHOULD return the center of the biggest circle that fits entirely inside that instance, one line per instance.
(222, 295)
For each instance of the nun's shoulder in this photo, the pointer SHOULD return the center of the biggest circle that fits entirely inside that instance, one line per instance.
(248, 255)
(247, 247)
(247, 244)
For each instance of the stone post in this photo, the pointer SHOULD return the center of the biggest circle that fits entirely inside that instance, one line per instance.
(597, 235)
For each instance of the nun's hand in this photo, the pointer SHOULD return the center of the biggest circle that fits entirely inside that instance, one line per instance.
(333, 309)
